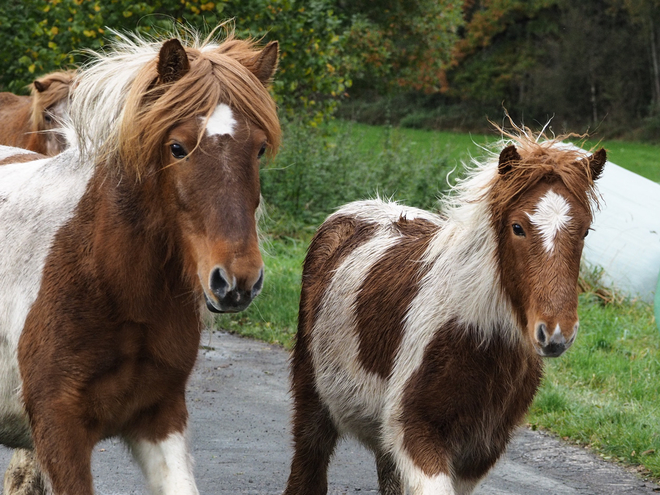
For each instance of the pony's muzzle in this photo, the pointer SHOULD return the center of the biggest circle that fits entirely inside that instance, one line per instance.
(551, 341)
(228, 296)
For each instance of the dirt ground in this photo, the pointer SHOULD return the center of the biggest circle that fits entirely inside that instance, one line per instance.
(239, 436)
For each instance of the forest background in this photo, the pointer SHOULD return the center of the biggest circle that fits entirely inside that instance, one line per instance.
(592, 65)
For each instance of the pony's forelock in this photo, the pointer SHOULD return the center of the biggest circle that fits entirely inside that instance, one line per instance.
(121, 116)
(541, 157)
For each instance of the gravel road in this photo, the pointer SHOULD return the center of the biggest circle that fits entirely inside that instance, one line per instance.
(239, 433)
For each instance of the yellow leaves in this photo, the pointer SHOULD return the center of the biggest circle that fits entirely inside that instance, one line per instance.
(97, 8)
(207, 6)
(54, 30)
(127, 13)
(31, 68)
(89, 34)
(52, 45)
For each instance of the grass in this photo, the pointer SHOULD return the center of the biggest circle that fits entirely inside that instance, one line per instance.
(641, 158)
(603, 393)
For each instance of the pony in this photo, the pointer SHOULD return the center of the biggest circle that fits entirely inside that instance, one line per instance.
(421, 334)
(31, 122)
(112, 250)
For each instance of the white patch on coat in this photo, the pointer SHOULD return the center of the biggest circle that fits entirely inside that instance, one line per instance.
(354, 395)
(221, 122)
(36, 199)
(550, 216)
(167, 465)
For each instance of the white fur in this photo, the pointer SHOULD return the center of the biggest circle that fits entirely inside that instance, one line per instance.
(221, 122)
(167, 465)
(36, 199)
(550, 216)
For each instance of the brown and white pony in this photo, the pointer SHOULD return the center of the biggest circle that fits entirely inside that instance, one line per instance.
(111, 249)
(30, 122)
(421, 335)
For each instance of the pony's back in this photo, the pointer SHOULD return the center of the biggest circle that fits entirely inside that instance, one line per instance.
(14, 119)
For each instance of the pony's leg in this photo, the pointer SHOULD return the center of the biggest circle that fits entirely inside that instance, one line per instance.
(465, 486)
(64, 451)
(389, 480)
(314, 439)
(166, 464)
(24, 477)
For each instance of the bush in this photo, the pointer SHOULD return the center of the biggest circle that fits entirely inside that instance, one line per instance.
(320, 169)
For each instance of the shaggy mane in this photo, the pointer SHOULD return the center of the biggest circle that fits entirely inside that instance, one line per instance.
(541, 158)
(58, 85)
(120, 117)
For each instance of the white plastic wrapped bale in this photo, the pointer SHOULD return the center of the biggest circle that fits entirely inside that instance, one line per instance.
(625, 241)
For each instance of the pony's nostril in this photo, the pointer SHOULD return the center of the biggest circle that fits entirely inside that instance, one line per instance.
(541, 333)
(218, 283)
(256, 288)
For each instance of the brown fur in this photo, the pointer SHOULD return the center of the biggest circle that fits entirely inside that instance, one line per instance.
(459, 378)
(24, 118)
(109, 344)
(392, 283)
(22, 158)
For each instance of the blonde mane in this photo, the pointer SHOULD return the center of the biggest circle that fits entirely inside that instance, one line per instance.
(58, 87)
(120, 117)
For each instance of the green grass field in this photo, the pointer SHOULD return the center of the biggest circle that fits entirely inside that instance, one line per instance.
(641, 158)
(602, 393)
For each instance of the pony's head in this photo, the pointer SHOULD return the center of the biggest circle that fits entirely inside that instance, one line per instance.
(50, 108)
(541, 203)
(192, 126)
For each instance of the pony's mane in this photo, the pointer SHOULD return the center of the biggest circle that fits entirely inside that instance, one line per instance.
(58, 86)
(119, 116)
(541, 157)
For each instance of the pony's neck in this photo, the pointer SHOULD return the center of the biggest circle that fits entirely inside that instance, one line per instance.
(465, 273)
(137, 244)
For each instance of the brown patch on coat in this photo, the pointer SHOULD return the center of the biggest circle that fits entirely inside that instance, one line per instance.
(22, 158)
(386, 294)
(111, 338)
(314, 434)
(462, 405)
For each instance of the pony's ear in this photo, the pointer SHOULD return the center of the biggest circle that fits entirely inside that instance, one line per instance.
(596, 162)
(41, 86)
(508, 157)
(172, 62)
(264, 64)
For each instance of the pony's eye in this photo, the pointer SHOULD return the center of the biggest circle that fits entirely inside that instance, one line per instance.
(586, 233)
(262, 151)
(178, 151)
(48, 118)
(518, 230)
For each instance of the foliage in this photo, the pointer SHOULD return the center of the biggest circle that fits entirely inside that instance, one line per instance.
(39, 36)
(318, 170)
(401, 43)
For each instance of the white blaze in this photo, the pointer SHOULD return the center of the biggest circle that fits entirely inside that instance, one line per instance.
(221, 122)
(550, 216)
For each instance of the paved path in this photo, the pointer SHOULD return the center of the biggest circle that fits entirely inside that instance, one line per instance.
(239, 411)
